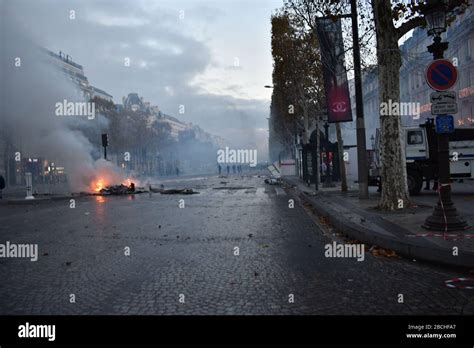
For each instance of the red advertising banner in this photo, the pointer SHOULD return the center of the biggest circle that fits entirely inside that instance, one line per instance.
(335, 78)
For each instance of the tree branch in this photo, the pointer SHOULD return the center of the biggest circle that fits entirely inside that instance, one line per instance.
(411, 24)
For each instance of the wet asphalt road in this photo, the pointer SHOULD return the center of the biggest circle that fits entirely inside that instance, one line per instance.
(183, 260)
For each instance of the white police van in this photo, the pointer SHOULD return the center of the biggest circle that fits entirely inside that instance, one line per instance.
(421, 151)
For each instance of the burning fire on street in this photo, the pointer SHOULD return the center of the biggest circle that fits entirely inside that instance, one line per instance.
(108, 179)
(100, 184)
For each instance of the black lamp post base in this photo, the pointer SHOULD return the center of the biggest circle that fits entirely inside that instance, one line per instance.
(437, 221)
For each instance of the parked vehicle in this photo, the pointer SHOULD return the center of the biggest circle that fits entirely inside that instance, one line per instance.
(421, 151)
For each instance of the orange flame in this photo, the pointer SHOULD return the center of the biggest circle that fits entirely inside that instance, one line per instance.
(101, 183)
(98, 185)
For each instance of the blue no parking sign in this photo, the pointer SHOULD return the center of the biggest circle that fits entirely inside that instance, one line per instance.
(441, 74)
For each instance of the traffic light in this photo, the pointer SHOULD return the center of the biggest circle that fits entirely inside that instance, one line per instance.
(105, 140)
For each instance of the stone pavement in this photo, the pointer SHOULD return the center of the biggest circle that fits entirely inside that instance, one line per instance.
(191, 251)
(399, 231)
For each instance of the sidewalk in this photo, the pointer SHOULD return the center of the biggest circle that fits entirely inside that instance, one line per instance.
(45, 193)
(399, 231)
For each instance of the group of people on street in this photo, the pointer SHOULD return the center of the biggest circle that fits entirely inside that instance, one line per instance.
(235, 168)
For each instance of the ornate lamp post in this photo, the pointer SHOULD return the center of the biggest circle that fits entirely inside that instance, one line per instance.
(445, 216)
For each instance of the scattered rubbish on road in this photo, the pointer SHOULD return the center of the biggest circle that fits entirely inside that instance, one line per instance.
(178, 192)
(324, 220)
(381, 252)
(233, 188)
(273, 181)
(184, 191)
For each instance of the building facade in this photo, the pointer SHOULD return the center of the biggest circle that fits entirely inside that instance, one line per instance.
(413, 86)
(75, 73)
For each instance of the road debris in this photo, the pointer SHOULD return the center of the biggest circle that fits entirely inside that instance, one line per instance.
(185, 191)
(381, 252)
(233, 188)
(273, 181)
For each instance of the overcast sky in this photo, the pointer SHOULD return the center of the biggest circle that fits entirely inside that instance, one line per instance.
(213, 57)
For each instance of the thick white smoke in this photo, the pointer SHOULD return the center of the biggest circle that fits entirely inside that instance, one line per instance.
(30, 87)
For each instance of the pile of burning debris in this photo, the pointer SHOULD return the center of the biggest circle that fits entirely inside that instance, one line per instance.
(101, 187)
(120, 190)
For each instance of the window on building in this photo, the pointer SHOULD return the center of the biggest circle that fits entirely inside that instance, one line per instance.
(415, 137)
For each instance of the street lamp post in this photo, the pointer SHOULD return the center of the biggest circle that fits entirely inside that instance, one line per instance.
(444, 217)
(362, 166)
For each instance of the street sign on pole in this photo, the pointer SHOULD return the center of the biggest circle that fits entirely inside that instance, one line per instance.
(444, 108)
(443, 97)
(443, 103)
(444, 124)
(441, 74)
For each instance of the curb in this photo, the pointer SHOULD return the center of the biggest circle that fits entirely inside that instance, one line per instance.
(409, 250)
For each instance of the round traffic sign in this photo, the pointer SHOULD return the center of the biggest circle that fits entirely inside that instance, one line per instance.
(441, 74)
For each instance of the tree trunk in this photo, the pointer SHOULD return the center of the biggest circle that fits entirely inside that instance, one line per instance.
(342, 165)
(318, 152)
(394, 178)
(305, 117)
